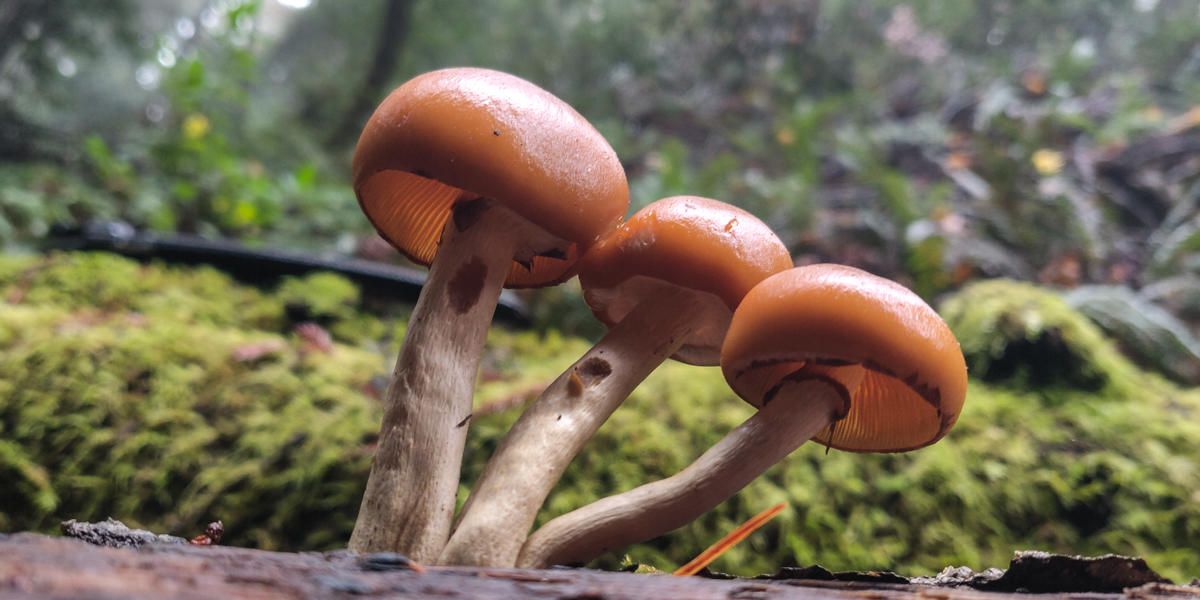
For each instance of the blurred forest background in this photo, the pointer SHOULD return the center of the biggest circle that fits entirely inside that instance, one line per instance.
(1055, 142)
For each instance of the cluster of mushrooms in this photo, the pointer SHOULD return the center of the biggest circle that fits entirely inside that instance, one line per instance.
(493, 182)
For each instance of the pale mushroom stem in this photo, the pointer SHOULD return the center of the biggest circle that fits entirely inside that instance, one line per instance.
(530, 459)
(411, 492)
(798, 412)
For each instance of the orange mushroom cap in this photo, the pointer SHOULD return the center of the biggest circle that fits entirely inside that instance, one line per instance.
(915, 377)
(696, 243)
(458, 134)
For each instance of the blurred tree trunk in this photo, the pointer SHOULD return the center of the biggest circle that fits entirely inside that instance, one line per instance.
(13, 14)
(15, 134)
(393, 32)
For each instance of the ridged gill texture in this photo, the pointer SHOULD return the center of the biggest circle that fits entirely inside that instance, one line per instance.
(915, 380)
(691, 242)
(415, 228)
(459, 134)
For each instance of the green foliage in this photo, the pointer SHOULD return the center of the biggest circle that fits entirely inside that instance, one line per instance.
(1145, 331)
(34, 197)
(122, 395)
(200, 161)
(194, 179)
(929, 142)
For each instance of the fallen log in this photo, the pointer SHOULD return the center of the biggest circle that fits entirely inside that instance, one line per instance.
(39, 566)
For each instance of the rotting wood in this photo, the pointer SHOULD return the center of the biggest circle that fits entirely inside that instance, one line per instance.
(36, 566)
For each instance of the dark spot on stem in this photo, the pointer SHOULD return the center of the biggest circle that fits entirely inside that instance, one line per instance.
(465, 420)
(593, 370)
(496, 132)
(467, 284)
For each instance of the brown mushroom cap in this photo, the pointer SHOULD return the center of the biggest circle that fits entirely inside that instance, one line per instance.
(458, 134)
(695, 243)
(915, 379)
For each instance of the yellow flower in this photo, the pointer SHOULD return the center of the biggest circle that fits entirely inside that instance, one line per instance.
(1047, 162)
(195, 126)
(785, 136)
(244, 213)
(957, 161)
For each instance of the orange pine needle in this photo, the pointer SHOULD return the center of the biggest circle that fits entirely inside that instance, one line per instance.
(728, 541)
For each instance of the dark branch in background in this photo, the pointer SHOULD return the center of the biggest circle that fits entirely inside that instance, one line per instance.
(16, 134)
(257, 265)
(392, 34)
(22, 140)
(12, 16)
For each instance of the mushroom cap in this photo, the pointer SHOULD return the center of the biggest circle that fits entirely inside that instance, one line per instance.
(696, 243)
(915, 377)
(458, 134)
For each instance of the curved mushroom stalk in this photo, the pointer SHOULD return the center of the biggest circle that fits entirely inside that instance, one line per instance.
(800, 409)
(533, 454)
(827, 352)
(665, 283)
(409, 502)
(518, 185)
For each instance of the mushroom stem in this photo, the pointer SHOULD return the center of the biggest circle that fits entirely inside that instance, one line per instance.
(409, 501)
(530, 459)
(799, 410)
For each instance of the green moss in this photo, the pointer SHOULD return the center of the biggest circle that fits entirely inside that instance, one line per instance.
(162, 424)
(108, 282)
(1087, 476)
(320, 296)
(1027, 337)
(177, 397)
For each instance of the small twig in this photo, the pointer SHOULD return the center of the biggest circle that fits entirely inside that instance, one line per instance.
(728, 541)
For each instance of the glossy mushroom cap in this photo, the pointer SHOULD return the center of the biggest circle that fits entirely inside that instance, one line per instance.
(915, 377)
(696, 243)
(458, 134)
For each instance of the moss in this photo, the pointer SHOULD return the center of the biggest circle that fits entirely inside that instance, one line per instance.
(1087, 476)
(160, 423)
(319, 296)
(1020, 335)
(108, 282)
(113, 403)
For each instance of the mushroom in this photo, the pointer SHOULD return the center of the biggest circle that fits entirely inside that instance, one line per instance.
(491, 181)
(665, 283)
(826, 352)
